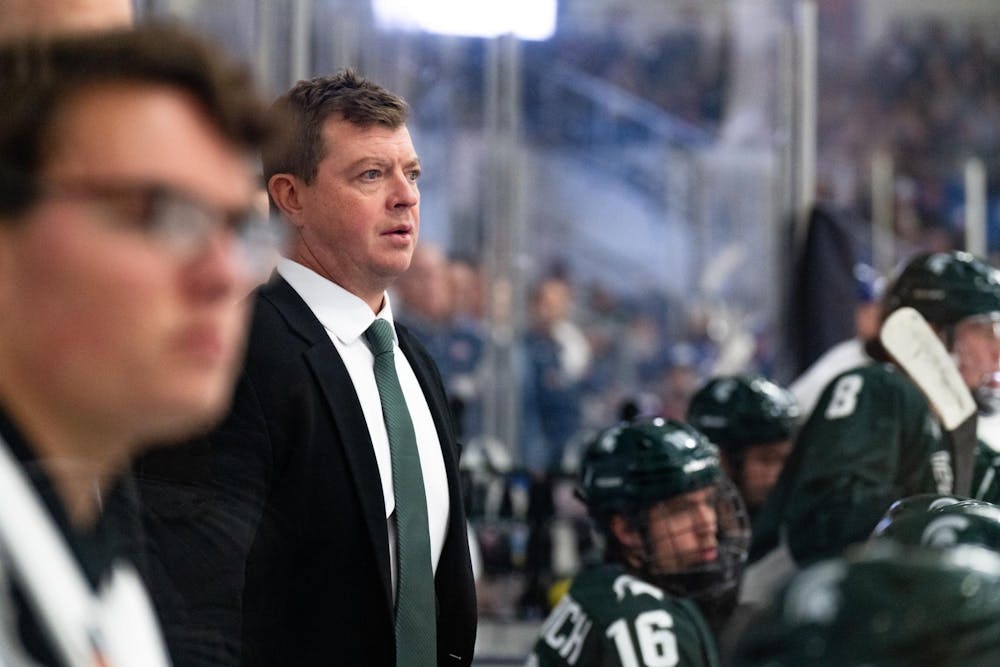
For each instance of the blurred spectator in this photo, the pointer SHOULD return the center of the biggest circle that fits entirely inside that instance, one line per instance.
(929, 96)
(466, 289)
(556, 359)
(426, 295)
(679, 383)
(439, 302)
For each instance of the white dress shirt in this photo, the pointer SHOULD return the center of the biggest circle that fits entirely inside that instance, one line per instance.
(345, 318)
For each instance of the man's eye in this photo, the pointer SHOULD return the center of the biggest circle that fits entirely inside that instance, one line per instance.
(139, 210)
(371, 174)
(414, 175)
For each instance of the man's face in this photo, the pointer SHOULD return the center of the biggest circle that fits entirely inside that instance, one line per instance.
(425, 290)
(360, 217)
(101, 322)
(977, 351)
(761, 466)
(683, 531)
(553, 302)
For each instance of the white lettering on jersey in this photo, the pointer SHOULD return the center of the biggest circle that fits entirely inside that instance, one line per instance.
(941, 469)
(657, 644)
(987, 480)
(845, 397)
(943, 531)
(627, 582)
(566, 629)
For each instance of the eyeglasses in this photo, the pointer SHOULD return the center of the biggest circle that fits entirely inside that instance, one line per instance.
(179, 222)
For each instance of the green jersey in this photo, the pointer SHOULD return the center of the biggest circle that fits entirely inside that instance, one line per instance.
(871, 440)
(610, 618)
(986, 474)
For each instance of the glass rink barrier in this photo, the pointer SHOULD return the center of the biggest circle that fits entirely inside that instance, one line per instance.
(621, 199)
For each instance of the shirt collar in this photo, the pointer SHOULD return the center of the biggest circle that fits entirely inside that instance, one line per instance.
(95, 547)
(342, 313)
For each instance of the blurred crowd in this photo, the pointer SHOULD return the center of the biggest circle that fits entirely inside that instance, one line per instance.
(929, 96)
(586, 358)
(925, 94)
(575, 354)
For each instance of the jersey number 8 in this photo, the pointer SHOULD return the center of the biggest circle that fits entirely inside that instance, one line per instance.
(845, 397)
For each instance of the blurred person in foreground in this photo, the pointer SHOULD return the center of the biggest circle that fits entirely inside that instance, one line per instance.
(751, 420)
(934, 520)
(927, 521)
(884, 604)
(325, 523)
(676, 535)
(19, 18)
(126, 240)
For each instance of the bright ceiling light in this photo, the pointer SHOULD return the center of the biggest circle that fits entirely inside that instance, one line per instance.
(527, 19)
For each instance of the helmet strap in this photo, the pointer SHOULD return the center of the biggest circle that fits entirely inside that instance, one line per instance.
(948, 335)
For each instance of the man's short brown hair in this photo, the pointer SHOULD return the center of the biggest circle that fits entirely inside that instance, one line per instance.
(301, 112)
(39, 75)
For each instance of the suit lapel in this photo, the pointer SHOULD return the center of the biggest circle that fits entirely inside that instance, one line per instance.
(338, 391)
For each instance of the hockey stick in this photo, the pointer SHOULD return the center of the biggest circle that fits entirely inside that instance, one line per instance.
(919, 351)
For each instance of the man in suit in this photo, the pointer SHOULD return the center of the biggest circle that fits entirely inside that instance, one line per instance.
(301, 471)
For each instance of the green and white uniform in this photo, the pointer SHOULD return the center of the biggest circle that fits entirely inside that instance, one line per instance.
(871, 440)
(610, 618)
(986, 474)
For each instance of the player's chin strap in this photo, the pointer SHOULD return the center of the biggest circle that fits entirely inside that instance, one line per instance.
(116, 628)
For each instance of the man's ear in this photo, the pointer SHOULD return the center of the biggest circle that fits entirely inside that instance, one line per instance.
(8, 252)
(728, 468)
(626, 534)
(286, 192)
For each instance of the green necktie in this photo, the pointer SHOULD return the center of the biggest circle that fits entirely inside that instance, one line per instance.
(416, 635)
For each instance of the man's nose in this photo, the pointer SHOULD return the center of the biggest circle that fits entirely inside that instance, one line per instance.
(405, 193)
(994, 358)
(219, 268)
(705, 519)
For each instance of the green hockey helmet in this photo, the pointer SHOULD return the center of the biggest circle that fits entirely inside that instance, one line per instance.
(964, 522)
(946, 287)
(887, 604)
(636, 464)
(913, 505)
(737, 411)
(633, 467)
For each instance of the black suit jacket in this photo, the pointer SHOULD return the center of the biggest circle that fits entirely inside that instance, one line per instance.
(270, 534)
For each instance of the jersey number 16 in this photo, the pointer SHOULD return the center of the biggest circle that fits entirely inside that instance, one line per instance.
(657, 644)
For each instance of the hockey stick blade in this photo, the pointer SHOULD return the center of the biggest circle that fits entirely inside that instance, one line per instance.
(917, 350)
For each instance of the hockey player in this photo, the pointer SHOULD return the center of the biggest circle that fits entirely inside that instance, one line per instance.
(887, 604)
(941, 521)
(872, 437)
(676, 536)
(751, 420)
